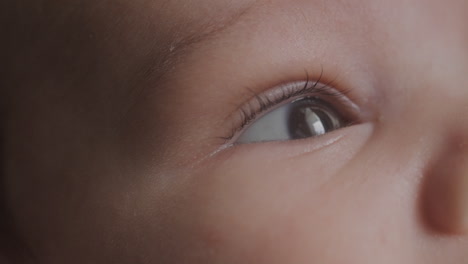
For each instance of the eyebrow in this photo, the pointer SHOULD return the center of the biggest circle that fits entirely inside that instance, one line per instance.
(158, 67)
(209, 31)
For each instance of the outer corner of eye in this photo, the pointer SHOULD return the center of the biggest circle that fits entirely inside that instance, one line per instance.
(303, 118)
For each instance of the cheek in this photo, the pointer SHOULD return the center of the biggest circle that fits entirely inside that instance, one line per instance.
(283, 203)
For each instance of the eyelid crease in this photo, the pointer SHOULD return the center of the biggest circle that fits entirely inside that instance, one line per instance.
(260, 104)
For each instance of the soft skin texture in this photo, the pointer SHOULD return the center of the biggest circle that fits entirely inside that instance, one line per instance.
(114, 113)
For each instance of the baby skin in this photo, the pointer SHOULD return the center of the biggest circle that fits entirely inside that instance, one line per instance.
(228, 132)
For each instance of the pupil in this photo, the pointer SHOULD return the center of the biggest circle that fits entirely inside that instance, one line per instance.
(306, 120)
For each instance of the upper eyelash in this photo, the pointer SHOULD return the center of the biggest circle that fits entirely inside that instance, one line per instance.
(248, 112)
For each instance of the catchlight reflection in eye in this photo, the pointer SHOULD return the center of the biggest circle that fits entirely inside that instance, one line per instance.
(302, 118)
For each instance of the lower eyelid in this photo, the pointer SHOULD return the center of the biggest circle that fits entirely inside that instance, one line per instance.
(349, 140)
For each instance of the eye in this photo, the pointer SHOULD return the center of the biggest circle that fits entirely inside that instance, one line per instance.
(302, 118)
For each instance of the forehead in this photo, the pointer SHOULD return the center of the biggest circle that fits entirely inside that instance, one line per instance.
(224, 10)
(194, 19)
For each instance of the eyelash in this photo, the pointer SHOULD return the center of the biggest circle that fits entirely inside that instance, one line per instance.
(262, 103)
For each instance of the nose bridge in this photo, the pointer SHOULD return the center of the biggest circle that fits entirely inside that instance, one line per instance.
(436, 62)
(439, 90)
(451, 101)
(449, 107)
